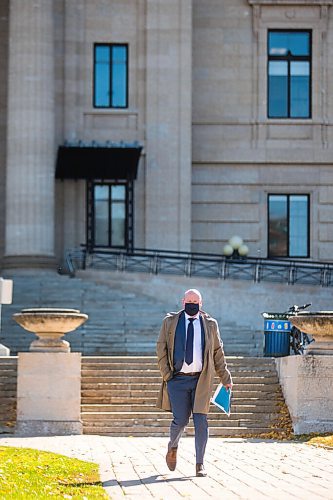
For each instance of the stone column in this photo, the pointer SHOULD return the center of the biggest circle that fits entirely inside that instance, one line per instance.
(30, 135)
(168, 120)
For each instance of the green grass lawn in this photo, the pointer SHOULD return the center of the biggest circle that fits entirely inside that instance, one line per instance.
(34, 474)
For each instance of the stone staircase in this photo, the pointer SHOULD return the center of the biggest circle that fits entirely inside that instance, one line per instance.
(119, 396)
(238, 339)
(120, 322)
(8, 371)
(123, 320)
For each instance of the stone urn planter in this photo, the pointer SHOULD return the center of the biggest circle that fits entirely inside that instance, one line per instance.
(320, 326)
(50, 324)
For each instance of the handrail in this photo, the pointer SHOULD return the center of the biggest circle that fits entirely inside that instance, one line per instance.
(155, 261)
(154, 251)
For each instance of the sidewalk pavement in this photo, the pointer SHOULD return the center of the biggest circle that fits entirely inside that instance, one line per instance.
(135, 468)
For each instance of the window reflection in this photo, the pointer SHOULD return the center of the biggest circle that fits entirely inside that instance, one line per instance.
(118, 224)
(110, 215)
(101, 192)
(299, 89)
(119, 76)
(295, 42)
(101, 223)
(298, 225)
(118, 192)
(278, 88)
(102, 76)
(110, 76)
(288, 225)
(289, 74)
(278, 226)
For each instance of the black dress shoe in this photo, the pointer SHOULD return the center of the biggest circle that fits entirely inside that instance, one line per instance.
(200, 470)
(171, 458)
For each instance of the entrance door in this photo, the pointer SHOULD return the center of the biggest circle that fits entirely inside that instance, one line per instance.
(110, 215)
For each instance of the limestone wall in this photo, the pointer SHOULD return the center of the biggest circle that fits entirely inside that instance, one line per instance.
(159, 114)
(307, 384)
(230, 199)
(3, 116)
(197, 103)
(238, 154)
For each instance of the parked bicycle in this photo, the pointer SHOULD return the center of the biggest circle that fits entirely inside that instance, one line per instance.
(298, 340)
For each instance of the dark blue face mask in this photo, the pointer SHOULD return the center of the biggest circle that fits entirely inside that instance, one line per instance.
(191, 309)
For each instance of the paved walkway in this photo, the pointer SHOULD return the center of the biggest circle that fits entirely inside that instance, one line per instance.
(134, 468)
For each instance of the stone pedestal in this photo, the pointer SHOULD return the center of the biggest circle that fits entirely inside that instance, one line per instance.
(307, 384)
(49, 393)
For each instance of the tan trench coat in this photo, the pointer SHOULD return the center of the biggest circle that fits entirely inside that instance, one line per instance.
(214, 361)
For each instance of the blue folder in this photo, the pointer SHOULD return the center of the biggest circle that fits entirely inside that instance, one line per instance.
(222, 399)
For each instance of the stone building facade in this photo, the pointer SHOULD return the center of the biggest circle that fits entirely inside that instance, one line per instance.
(168, 124)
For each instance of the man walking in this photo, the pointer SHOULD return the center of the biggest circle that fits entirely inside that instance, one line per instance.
(189, 351)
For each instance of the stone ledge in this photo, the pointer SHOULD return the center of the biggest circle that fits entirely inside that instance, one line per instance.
(290, 2)
(48, 428)
(29, 261)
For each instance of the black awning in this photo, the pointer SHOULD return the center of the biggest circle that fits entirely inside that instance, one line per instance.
(97, 162)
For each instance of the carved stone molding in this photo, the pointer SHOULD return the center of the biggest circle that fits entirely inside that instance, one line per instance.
(258, 7)
(285, 14)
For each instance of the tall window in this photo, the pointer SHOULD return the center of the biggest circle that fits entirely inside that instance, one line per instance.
(109, 215)
(289, 74)
(288, 225)
(110, 76)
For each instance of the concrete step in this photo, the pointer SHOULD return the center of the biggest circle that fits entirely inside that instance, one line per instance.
(252, 409)
(151, 378)
(8, 382)
(164, 431)
(165, 423)
(126, 392)
(253, 405)
(246, 361)
(9, 392)
(8, 361)
(158, 416)
(8, 375)
(119, 396)
(134, 387)
(151, 366)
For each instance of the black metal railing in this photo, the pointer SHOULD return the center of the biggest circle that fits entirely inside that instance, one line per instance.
(202, 265)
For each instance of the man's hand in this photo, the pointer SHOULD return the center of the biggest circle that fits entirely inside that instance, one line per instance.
(228, 386)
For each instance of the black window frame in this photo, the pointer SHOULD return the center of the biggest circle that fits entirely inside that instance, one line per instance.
(288, 195)
(110, 46)
(129, 214)
(289, 58)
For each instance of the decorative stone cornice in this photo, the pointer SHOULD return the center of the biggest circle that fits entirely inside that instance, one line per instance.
(290, 2)
(258, 6)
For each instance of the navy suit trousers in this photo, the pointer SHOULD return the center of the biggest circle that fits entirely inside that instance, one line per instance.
(181, 389)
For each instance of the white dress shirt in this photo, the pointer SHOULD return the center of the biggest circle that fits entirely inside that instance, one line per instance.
(196, 365)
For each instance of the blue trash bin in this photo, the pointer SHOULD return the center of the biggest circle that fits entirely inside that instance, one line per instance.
(276, 335)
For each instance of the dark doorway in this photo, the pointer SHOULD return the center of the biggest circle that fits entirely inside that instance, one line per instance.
(110, 215)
